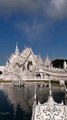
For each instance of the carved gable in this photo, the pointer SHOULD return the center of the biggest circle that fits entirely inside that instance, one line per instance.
(22, 63)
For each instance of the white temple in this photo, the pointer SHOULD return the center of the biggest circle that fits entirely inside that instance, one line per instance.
(28, 66)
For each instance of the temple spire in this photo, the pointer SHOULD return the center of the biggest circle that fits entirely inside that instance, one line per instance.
(17, 49)
(47, 61)
(40, 60)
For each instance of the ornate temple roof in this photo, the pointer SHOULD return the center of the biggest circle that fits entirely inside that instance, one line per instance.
(25, 54)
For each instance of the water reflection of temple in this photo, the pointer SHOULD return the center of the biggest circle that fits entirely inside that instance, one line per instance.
(24, 97)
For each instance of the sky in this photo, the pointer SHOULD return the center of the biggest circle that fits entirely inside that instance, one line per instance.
(39, 24)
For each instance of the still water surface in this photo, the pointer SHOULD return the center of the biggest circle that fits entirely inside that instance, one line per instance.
(16, 102)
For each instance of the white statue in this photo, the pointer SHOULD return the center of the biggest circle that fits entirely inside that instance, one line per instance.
(65, 65)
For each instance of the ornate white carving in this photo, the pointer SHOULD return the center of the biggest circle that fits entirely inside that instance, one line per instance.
(50, 111)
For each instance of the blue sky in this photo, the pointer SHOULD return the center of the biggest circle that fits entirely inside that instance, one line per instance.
(39, 24)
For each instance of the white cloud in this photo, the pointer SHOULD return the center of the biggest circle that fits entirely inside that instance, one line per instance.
(32, 30)
(57, 8)
(52, 8)
(8, 7)
(35, 30)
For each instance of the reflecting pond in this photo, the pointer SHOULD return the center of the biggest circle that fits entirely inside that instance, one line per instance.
(16, 102)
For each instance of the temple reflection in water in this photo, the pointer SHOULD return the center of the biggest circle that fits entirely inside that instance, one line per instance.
(24, 97)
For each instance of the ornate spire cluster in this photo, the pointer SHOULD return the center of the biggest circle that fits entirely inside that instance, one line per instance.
(25, 62)
(47, 61)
